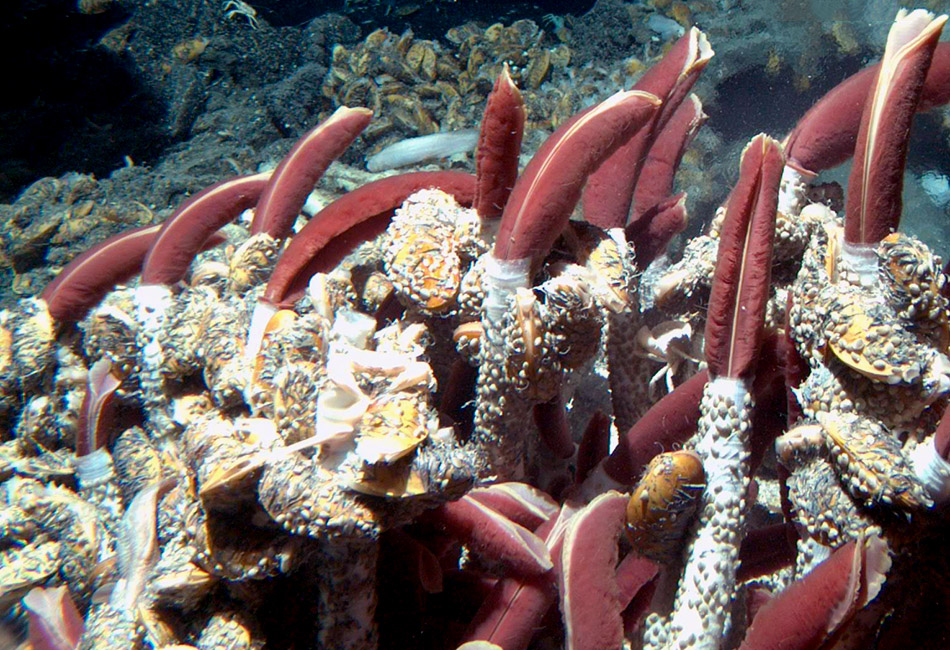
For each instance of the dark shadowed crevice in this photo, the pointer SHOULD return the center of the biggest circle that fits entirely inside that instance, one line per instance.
(67, 104)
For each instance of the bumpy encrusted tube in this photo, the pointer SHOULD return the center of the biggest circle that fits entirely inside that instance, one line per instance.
(701, 611)
(152, 303)
(501, 415)
(348, 594)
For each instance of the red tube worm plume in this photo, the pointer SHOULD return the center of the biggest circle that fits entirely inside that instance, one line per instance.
(358, 214)
(499, 143)
(550, 418)
(334, 251)
(653, 230)
(659, 169)
(91, 275)
(609, 193)
(350, 210)
(96, 410)
(54, 621)
(633, 574)
(522, 503)
(494, 535)
(302, 167)
(874, 189)
(826, 135)
(545, 195)
(512, 612)
(594, 446)
(811, 610)
(590, 597)
(187, 230)
(743, 268)
(670, 422)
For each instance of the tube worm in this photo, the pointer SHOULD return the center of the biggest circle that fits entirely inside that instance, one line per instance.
(590, 597)
(95, 473)
(91, 275)
(701, 616)
(522, 503)
(513, 610)
(186, 231)
(137, 545)
(826, 135)
(663, 159)
(95, 410)
(550, 186)
(550, 418)
(347, 214)
(54, 621)
(810, 610)
(610, 190)
(537, 211)
(491, 533)
(302, 167)
(593, 447)
(766, 550)
(499, 144)
(652, 231)
(874, 189)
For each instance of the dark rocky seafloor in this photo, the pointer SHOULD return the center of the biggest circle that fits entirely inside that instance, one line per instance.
(135, 105)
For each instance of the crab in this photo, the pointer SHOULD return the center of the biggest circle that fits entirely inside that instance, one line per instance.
(672, 344)
(234, 8)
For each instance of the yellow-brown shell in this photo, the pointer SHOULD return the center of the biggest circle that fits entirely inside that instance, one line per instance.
(392, 427)
(871, 463)
(854, 347)
(663, 502)
(392, 480)
(429, 240)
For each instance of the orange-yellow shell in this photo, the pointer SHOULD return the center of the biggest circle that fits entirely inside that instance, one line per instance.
(663, 502)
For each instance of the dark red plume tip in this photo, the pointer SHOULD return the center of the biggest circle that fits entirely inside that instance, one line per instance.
(91, 275)
(550, 418)
(812, 609)
(826, 135)
(766, 550)
(545, 195)
(670, 422)
(591, 602)
(360, 206)
(594, 446)
(609, 193)
(653, 230)
(873, 208)
(188, 229)
(302, 167)
(655, 183)
(741, 281)
(499, 144)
